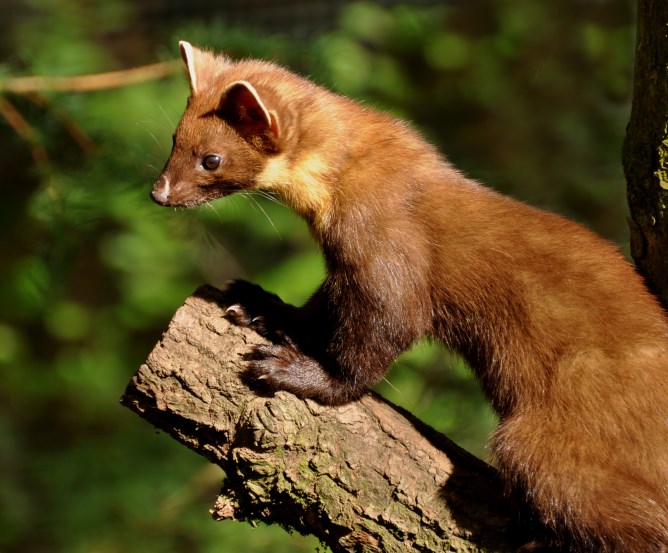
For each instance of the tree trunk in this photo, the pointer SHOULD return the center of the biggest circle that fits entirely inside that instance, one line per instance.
(362, 477)
(646, 147)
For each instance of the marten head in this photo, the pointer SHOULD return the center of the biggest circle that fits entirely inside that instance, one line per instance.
(226, 135)
(252, 125)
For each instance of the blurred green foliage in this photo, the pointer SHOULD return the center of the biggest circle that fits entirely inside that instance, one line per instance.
(530, 97)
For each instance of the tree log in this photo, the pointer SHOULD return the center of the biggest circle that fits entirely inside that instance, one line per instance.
(366, 476)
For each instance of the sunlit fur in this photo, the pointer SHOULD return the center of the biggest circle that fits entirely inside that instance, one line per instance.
(569, 346)
(302, 183)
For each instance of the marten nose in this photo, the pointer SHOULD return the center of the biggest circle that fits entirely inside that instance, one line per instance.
(160, 192)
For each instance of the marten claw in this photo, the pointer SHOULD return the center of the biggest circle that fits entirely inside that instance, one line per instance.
(253, 307)
(258, 324)
(237, 315)
(268, 367)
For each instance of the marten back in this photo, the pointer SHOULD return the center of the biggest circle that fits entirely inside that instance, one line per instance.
(570, 347)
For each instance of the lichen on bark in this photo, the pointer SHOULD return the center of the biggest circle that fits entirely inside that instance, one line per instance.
(645, 153)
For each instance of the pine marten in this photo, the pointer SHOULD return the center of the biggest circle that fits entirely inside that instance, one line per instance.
(570, 347)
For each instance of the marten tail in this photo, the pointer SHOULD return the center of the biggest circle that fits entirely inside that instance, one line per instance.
(583, 496)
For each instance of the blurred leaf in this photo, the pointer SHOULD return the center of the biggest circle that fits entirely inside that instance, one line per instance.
(448, 51)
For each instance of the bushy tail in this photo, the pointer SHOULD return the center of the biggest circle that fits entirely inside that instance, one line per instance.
(582, 496)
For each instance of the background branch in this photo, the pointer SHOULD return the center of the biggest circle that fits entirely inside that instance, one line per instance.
(361, 477)
(87, 83)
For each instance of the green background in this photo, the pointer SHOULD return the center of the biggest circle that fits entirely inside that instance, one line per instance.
(530, 97)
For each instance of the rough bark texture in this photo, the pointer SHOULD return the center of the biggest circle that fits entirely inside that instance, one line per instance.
(363, 477)
(646, 147)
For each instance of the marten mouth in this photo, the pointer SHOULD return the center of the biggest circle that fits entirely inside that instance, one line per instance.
(204, 195)
(221, 190)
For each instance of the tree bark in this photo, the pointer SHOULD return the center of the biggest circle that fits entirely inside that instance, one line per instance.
(362, 477)
(646, 147)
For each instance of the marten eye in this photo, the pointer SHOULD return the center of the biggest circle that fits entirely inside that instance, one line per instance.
(211, 163)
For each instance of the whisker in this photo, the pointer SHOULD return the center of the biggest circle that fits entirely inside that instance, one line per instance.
(393, 387)
(254, 201)
(211, 207)
(269, 196)
(166, 116)
(154, 137)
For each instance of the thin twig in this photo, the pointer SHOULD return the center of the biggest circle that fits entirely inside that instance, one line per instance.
(17, 122)
(69, 124)
(39, 154)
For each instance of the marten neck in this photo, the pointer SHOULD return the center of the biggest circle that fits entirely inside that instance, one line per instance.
(352, 157)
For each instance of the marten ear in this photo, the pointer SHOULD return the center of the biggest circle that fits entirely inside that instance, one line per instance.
(202, 66)
(242, 108)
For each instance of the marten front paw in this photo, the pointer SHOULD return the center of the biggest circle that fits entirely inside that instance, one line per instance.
(275, 367)
(239, 316)
(284, 367)
(251, 306)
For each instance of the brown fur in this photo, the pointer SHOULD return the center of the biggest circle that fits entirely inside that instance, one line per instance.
(570, 347)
